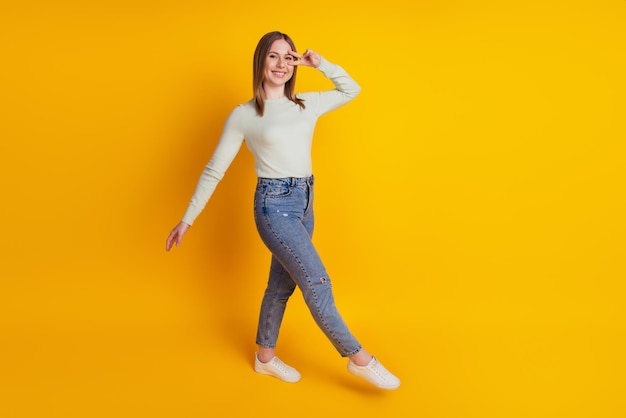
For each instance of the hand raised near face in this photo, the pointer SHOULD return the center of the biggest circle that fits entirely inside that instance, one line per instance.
(309, 58)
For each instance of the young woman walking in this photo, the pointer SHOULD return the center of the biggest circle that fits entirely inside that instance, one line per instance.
(277, 126)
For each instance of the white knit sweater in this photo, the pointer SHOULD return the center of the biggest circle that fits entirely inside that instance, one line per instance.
(280, 140)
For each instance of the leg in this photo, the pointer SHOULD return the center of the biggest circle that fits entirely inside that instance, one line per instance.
(285, 224)
(284, 220)
(280, 287)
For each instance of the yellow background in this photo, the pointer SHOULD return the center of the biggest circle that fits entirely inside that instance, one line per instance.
(470, 208)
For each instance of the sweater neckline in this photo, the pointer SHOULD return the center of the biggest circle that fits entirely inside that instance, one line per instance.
(280, 99)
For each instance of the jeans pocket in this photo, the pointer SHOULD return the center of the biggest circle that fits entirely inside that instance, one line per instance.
(277, 190)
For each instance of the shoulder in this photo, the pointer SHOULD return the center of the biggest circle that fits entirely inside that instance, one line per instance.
(309, 97)
(239, 117)
(243, 110)
(244, 107)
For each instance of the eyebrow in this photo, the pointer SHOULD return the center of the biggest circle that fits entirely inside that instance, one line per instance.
(278, 53)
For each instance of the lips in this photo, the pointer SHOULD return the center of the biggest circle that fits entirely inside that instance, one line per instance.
(279, 74)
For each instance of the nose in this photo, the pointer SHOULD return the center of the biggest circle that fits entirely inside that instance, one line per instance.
(281, 62)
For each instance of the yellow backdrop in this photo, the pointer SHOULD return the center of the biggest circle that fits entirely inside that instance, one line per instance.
(470, 208)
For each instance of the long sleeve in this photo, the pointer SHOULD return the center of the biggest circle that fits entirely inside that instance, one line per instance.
(280, 140)
(345, 90)
(224, 154)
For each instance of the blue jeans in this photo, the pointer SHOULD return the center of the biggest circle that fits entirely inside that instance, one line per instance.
(283, 212)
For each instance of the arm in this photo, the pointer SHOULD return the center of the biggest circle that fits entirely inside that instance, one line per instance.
(345, 90)
(225, 152)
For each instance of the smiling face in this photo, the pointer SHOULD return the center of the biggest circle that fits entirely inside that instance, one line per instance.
(278, 69)
(273, 75)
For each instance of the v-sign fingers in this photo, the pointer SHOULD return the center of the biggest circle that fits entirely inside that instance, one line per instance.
(295, 54)
(298, 58)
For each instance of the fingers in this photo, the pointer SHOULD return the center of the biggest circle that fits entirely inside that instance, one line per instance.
(176, 236)
(295, 54)
(308, 58)
(170, 239)
(297, 60)
(173, 238)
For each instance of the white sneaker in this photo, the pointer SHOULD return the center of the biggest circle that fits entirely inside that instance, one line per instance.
(375, 373)
(276, 368)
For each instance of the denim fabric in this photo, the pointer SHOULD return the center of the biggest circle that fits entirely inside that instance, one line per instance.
(283, 211)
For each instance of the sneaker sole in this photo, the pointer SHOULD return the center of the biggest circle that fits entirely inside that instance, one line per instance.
(357, 373)
(279, 377)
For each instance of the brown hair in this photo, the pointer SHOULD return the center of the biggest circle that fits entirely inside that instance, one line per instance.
(258, 67)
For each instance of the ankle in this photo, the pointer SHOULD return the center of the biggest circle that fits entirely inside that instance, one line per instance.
(361, 358)
(265, 354)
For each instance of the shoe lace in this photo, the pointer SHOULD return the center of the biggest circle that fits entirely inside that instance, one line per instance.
(280, 365)
(380, 370)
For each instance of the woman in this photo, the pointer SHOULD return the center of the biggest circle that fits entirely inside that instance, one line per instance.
(277, 126)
